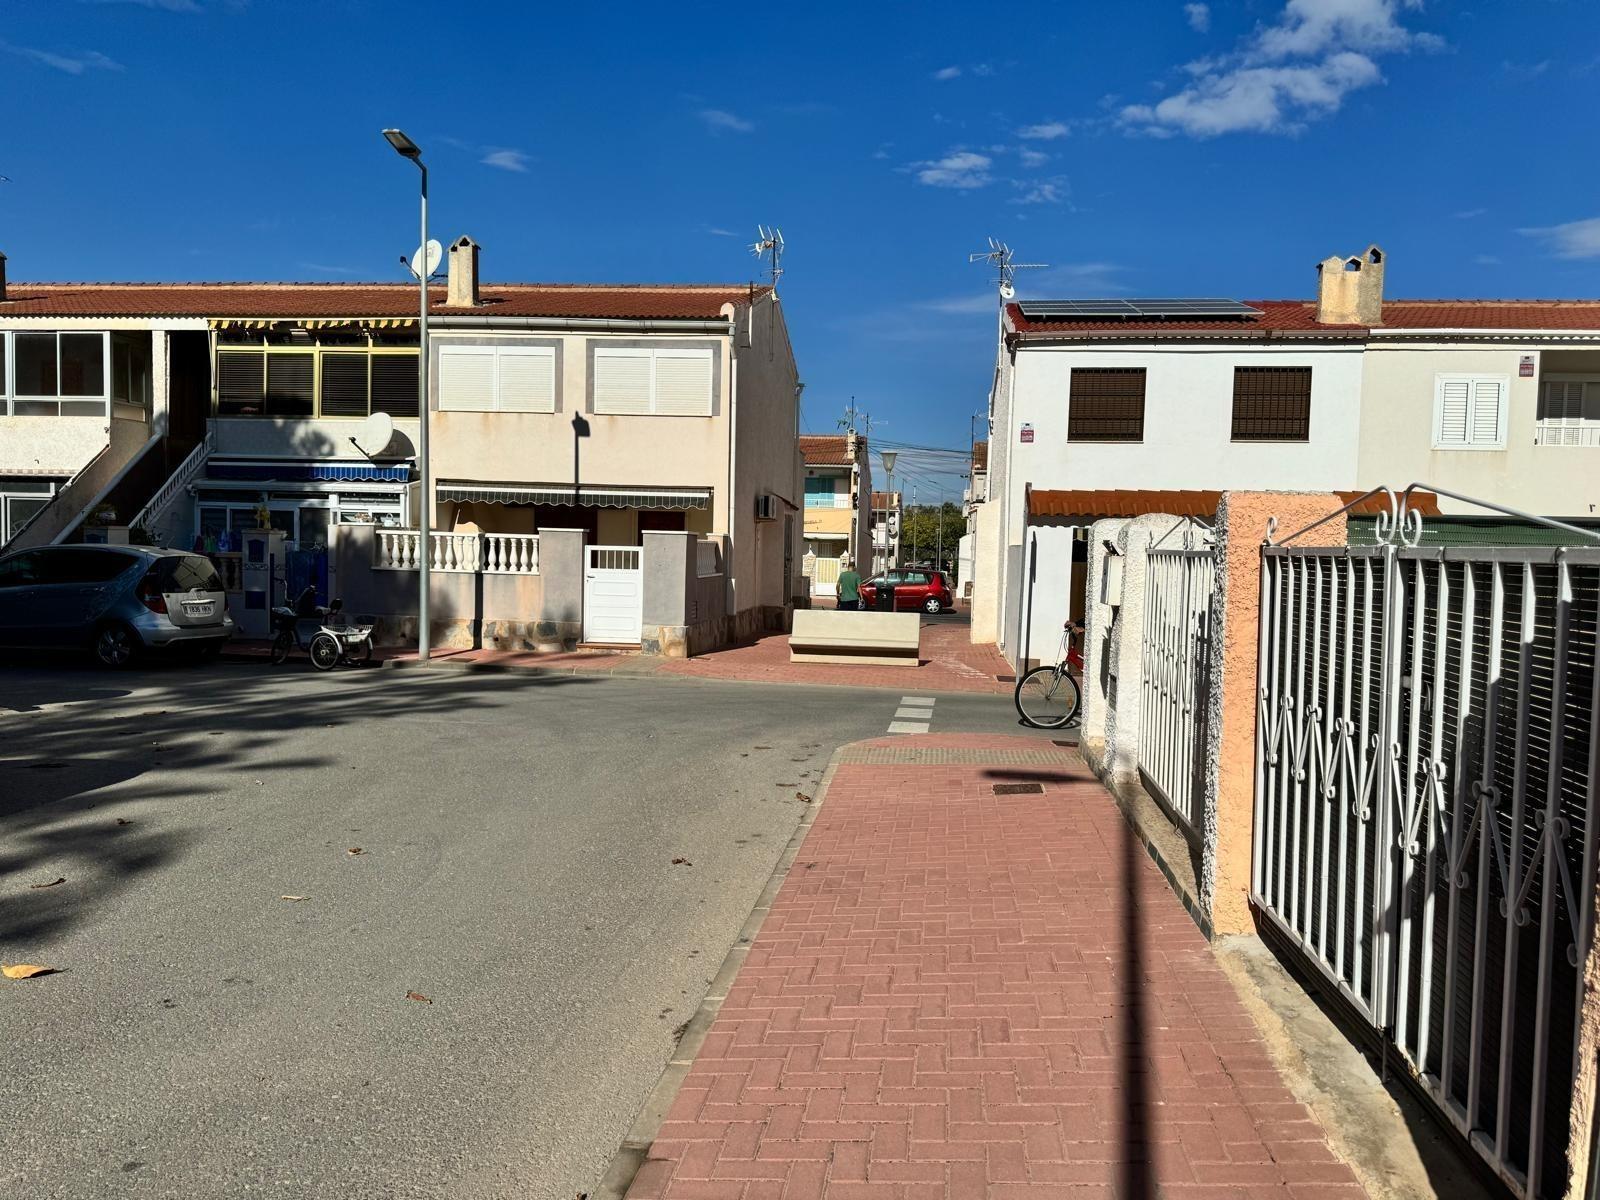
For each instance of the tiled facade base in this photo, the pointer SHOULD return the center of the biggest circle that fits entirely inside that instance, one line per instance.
(550, 636)
(958, 994)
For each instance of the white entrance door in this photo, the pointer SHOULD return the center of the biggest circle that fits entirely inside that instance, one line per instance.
(613, 594)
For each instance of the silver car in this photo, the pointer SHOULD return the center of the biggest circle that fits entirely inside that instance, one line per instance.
(115, 601)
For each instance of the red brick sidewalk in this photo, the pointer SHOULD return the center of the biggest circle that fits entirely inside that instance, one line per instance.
(950, 663)
(968, 995)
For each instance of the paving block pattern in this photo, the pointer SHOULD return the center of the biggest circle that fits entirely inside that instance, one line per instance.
(959, 994)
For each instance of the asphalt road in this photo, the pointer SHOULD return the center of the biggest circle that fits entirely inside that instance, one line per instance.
(206, 1037)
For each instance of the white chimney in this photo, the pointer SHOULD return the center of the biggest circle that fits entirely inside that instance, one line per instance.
(462, 289)
(1350, 290)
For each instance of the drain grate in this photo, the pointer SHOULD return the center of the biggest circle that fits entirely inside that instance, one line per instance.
(1018, 789)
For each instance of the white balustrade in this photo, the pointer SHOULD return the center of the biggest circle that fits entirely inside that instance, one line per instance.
(1562, 432)
(457, 553)
(510, 554)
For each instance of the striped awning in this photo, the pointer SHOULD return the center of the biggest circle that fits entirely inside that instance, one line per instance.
(308, 472)
(582, 495)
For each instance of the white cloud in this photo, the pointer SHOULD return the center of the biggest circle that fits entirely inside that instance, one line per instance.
(1029, 157)
(983, 70)
(1048, 131)
(180, 6)
(1040, 191)
(71, 64)
(1198, 16)
(718, 231)
(1285, 74)
(506, 160)
(720, 121)
(1467, 214)
(960, 169)
(1575, 239)
(1486, 260)
(947, 73)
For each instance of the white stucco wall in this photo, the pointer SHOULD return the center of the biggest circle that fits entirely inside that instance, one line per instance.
(1397, 420)
(50, 445)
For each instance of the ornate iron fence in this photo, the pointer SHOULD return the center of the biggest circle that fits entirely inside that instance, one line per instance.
(1425, 813)
(1175, 650)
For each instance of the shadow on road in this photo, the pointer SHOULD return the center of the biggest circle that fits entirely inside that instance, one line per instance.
(168, 733)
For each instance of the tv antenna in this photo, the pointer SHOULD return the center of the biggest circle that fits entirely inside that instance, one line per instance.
(770, 247)
(1001, 258)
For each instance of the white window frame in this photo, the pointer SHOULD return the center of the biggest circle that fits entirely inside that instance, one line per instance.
(8, 391)
(495, 403)
(654, 354)
(1472, 380)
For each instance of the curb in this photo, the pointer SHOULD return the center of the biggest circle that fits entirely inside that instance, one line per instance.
(635, 1147)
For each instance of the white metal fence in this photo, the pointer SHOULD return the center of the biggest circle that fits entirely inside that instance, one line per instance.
(1425, 814)
(1175, 654)
(457, 553)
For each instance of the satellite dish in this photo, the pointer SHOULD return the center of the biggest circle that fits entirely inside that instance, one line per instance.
(433, 255)
(374, 434)
(1007, 291)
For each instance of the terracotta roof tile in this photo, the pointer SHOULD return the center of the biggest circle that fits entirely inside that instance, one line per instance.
(1122, 502)
(825, 449)
(292, 300)
(1287, 318)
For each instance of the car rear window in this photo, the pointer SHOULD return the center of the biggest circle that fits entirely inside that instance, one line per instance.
(186, 573)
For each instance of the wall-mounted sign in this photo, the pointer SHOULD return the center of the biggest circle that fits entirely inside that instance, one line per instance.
(1525, 367)
(1027, 433)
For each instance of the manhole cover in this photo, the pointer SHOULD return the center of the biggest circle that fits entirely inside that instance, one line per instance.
(1017, 789)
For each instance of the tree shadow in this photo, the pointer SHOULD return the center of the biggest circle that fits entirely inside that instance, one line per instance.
(66, 772)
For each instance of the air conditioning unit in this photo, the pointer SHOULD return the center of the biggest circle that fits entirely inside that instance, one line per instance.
(766, 507)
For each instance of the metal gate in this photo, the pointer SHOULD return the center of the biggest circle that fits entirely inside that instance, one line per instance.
(1175, 654)
(1425, 814)
(613, 594)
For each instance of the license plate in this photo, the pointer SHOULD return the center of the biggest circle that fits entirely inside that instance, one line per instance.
(202, 609)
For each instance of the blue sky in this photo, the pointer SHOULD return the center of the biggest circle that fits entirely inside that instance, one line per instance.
(1147, 147)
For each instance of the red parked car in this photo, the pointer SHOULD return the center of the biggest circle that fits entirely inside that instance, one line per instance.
(914, 588)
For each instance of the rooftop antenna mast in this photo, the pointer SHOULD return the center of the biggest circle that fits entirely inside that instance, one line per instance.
(1001, 257)
(770, 247)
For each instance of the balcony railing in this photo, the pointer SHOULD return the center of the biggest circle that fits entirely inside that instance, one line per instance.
(1562, 432)
(458, 553)
(827, 500)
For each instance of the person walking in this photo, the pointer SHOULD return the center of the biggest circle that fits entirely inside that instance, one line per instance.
(849, 587)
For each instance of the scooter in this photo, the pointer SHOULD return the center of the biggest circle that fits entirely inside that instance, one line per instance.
(326, 634)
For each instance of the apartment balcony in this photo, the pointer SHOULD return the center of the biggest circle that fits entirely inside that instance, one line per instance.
(1566, 432)
(827, 500)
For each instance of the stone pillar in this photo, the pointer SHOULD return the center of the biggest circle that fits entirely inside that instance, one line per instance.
(670, 566)
(561, 567)
(1097, 618)
(1229, 804)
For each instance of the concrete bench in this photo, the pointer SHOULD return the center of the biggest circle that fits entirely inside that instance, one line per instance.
(876, 638)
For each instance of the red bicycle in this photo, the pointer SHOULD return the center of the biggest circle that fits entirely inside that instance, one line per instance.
(1048, 697)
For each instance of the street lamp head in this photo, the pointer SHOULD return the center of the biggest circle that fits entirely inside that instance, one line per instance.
(887, 457)
(403, 145)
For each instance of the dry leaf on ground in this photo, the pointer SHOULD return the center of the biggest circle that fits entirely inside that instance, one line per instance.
(25, 971)
(124, 821)
(418, 996)
(51, 883)
(355, 850)
(296, 898)
(682, 862)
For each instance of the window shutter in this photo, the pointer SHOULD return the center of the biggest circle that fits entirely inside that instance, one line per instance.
(241, 380)
(394, 384)
(466, 378)
(527, 379)
(291, 384)
(1455, 396)
(683, 383)
(344, 385)
(622, 381)
(1486, 398)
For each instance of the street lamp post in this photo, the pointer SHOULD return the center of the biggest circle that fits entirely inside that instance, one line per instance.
(406, 148)
(890, 536)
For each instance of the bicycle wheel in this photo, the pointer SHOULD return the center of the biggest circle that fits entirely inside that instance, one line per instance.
(325, 652)
(1047, 699)
(281, 645)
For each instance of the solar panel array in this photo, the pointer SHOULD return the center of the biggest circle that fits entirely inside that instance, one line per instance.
(1203, 309)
